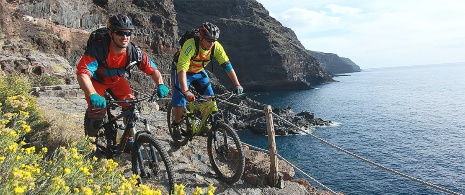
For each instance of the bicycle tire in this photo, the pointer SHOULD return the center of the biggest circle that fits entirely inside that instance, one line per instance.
(184, 126)
(151, 162)
(227, 159)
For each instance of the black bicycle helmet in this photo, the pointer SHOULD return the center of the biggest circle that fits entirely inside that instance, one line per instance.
(119, 22)
(209, 31)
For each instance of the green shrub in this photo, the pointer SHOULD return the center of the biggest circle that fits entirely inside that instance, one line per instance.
(45, 80)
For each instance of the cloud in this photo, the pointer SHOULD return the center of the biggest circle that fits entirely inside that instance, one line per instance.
(307, 21)
(344, 10)
(378, 33)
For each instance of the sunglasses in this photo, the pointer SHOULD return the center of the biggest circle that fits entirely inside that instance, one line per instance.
(122, 33)
(210, 40)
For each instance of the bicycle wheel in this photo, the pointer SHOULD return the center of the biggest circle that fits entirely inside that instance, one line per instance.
(151, 162)
(226, 153)
(184, 127)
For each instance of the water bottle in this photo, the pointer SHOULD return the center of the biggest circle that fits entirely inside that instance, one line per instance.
(119, 134)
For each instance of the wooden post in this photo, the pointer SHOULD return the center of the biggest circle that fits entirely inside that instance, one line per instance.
(273, 177)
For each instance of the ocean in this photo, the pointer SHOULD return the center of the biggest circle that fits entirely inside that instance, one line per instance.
(410, 119)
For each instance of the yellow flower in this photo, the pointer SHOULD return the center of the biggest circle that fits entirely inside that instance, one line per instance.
(87, 191)
(85, 170)
(198, 191)
(18, 157)
(13, 147)
(30, 150)
(67, 171)
(13, 133)
(211, 189)
(20, 190)
(26, 128)
(2, 158)
(44, 150)
(179, 189)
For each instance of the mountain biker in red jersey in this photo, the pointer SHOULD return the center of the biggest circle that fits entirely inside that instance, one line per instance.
(95, 76)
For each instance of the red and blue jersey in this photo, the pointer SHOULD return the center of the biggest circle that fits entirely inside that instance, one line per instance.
(115, 67)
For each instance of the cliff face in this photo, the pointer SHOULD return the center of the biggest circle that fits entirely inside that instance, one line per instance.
(265, 55)
(333, 64)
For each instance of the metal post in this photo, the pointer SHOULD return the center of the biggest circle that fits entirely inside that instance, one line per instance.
(273, 177)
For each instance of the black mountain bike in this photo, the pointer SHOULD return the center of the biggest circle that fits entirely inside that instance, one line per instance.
(148, 156)
(224, 146)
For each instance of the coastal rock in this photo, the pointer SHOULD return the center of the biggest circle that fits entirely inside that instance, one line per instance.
(333, 64)
(265, 54)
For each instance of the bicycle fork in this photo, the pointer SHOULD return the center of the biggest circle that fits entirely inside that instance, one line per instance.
(223, 149)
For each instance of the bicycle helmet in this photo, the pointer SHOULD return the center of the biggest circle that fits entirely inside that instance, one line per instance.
(209, 31)
(119, 22)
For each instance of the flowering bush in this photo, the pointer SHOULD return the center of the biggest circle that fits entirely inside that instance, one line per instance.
(25, 169)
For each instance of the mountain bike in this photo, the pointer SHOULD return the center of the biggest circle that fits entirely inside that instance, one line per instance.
(224, 147)
(148, 156)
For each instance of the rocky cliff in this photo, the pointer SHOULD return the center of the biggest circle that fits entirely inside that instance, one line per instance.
(333, 64)
(265, 54)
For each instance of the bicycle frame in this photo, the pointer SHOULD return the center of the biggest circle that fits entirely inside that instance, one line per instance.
(208, 106)
(111, 126)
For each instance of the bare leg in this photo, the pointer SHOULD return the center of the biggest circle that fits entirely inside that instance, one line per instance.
(178, 111)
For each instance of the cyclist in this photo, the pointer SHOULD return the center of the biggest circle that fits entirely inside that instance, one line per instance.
(189, 69)
(95, 77)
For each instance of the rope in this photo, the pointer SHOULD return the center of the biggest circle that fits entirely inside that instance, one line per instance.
(368, 161)
(295, 167)
(338, 148)
(232, 104)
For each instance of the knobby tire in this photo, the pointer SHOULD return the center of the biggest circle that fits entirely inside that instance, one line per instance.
(227, 160)
(151, 162)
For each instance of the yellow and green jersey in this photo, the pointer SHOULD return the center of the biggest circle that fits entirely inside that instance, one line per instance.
(193, 62)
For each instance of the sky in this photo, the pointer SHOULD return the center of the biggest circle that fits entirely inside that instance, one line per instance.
(378, 33)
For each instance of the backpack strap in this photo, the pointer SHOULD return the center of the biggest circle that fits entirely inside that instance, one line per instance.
(134, 54)
(99, 50)
(197, 47)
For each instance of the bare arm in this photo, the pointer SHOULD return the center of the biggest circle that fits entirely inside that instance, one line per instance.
(233, 77)
(156, 77)
(183, 80)
(85, 83)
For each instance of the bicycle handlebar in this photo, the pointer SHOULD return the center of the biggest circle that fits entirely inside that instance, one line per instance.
(201, 98)
(150, 98)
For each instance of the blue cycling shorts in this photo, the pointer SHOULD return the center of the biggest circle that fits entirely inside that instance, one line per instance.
(200, 81)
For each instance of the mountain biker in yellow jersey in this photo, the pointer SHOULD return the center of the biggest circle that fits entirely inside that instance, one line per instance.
(103, 67)
(189, 69)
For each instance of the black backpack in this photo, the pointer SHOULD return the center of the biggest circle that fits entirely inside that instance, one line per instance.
(134, 53)
(193, 33)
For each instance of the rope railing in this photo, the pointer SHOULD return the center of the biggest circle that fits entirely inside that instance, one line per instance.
(366, 160)
(292, 165)
(345, 151)
(338, 148)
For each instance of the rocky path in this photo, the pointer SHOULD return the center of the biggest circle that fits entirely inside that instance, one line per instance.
(191, 162)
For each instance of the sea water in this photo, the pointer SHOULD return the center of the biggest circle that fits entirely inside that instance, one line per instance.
(409, 119)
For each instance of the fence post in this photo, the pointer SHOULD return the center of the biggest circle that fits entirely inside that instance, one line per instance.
(273, 177)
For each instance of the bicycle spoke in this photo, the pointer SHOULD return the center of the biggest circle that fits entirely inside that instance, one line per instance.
(226, 154)
(152, 163)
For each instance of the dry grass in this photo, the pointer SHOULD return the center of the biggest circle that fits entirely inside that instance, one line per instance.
(63, 128)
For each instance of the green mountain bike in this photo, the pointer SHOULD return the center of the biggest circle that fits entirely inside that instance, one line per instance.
(224, 146)
(149, 157)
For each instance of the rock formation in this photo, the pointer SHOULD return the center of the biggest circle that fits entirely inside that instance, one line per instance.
(265, 54)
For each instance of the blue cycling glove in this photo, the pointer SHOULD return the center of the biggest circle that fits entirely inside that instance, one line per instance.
(238, 89)
(162, 90)
(97, 100)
